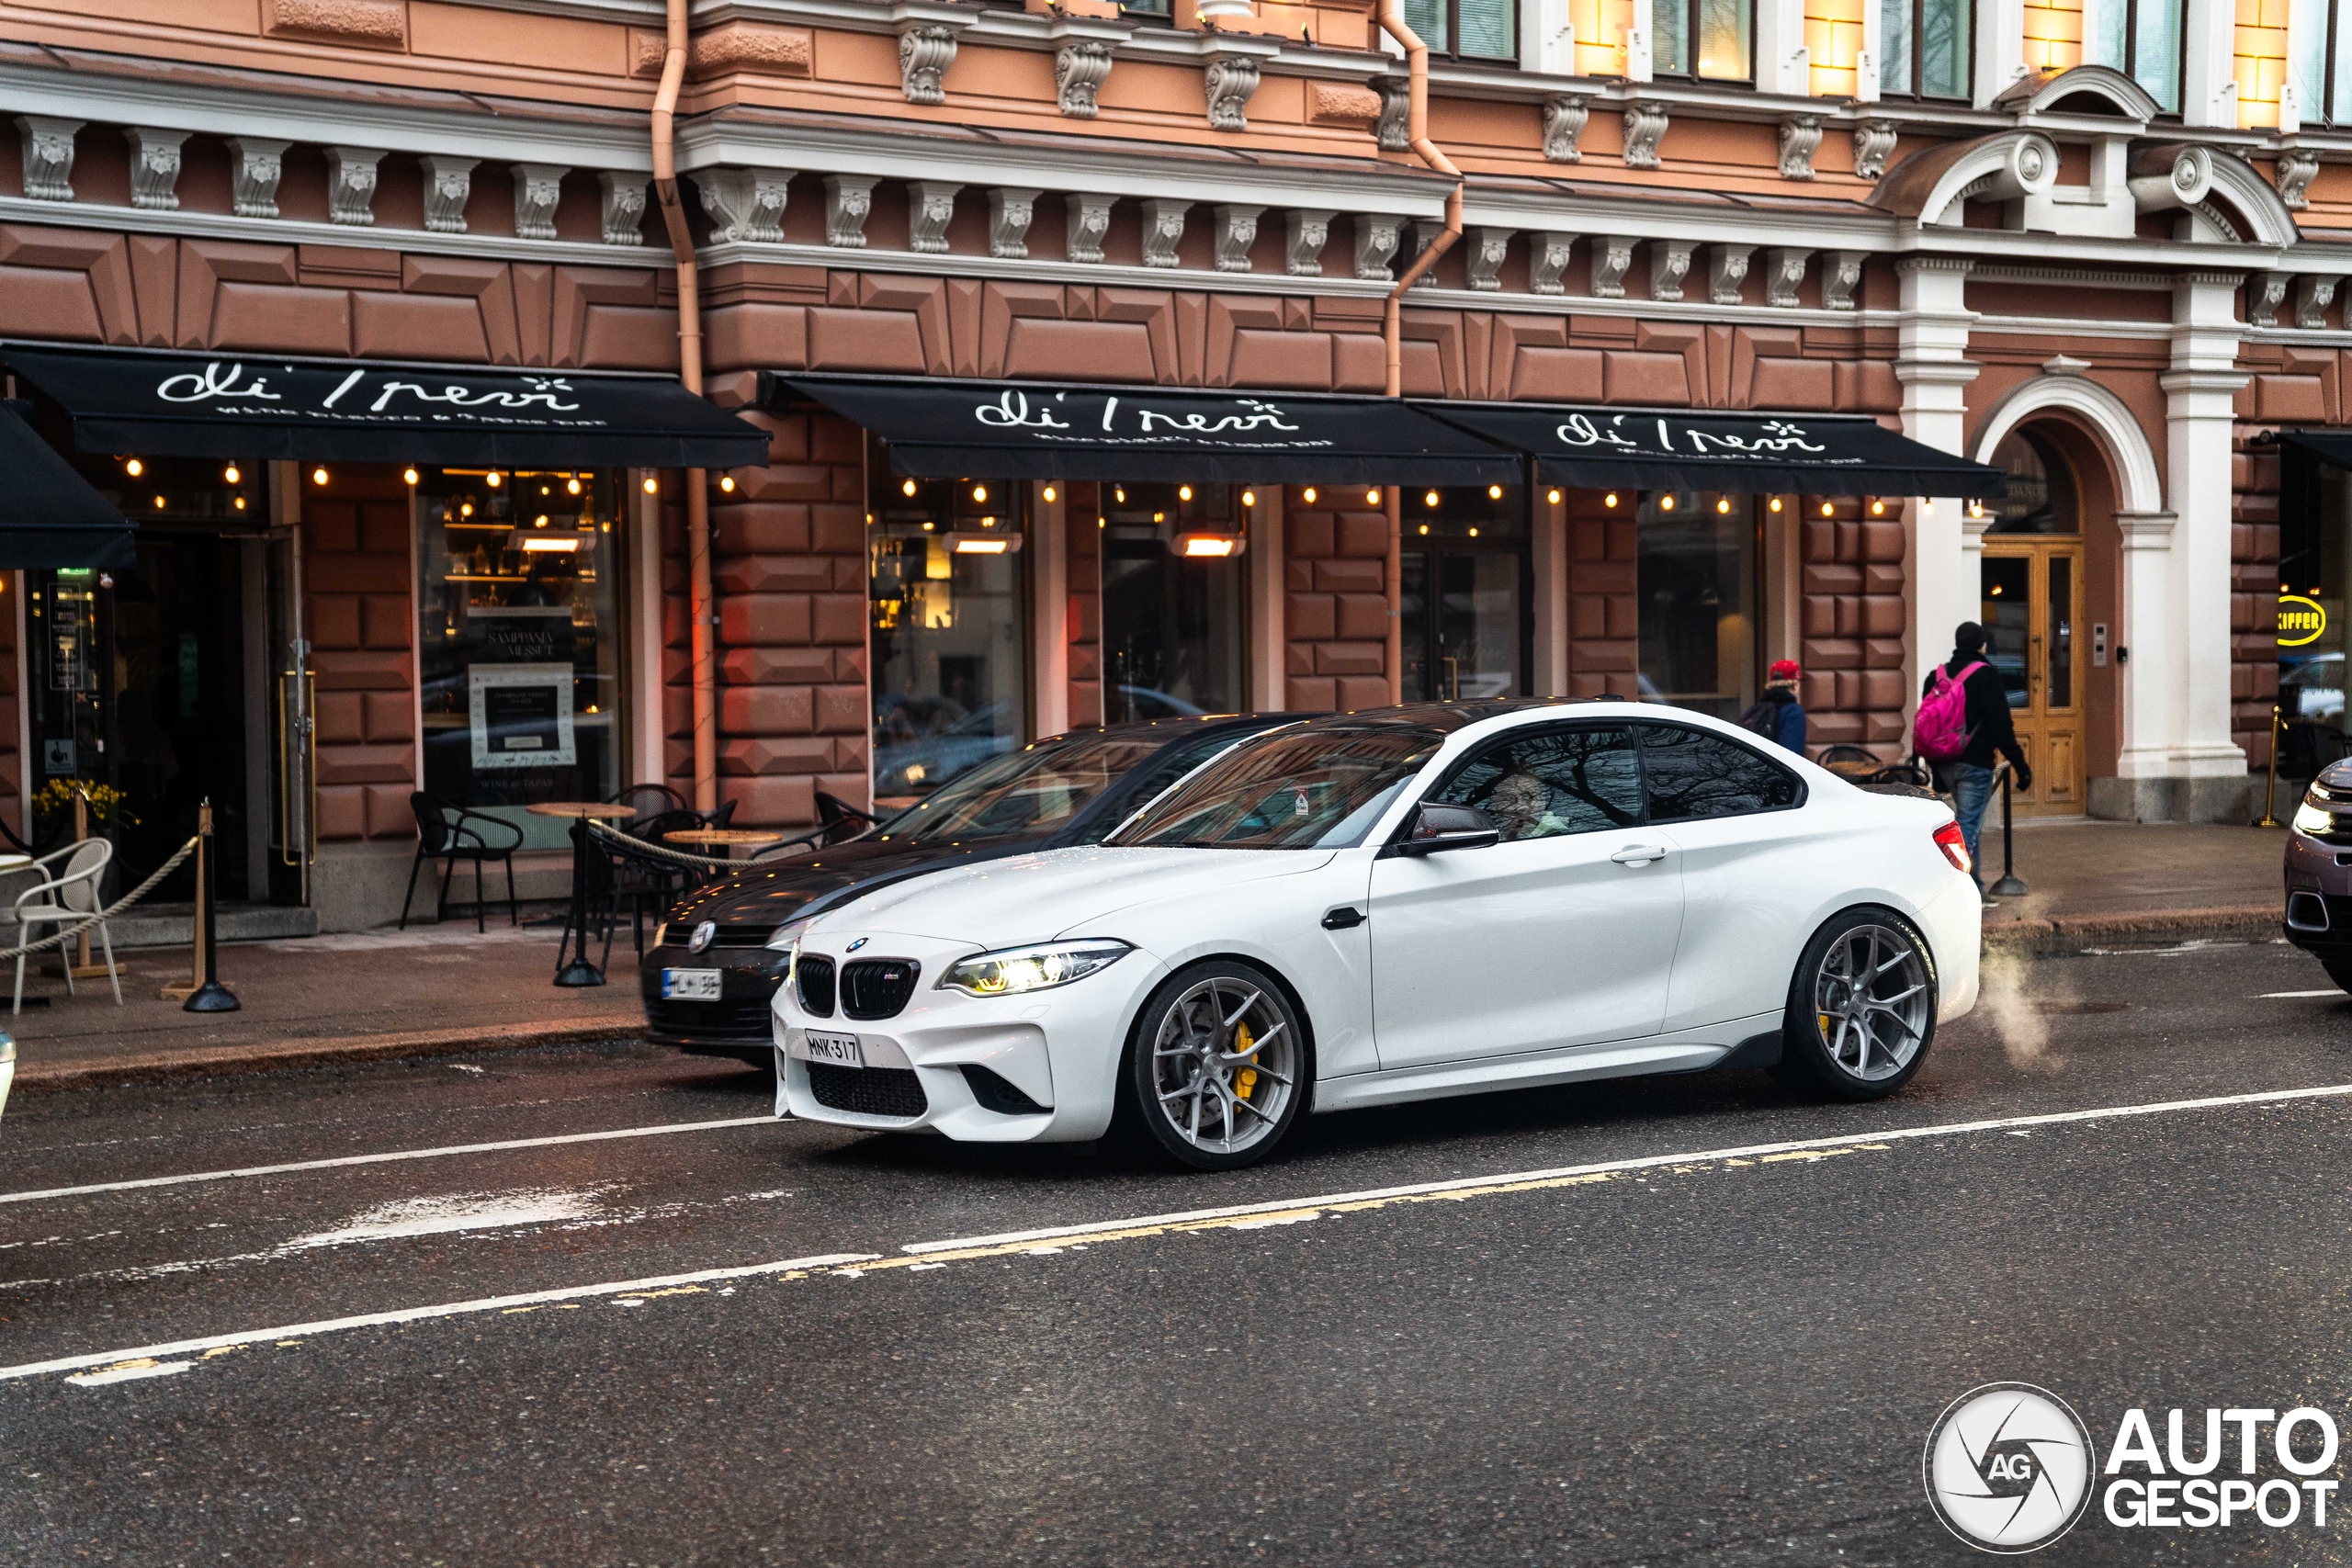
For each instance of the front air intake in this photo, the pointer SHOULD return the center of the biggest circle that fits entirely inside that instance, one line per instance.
(2306, 911)
(878, 987)
(813, 978)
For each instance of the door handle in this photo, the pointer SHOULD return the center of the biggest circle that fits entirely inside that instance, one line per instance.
(1347, 917)
(1638, 854)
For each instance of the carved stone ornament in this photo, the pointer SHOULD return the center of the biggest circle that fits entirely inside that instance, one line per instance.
(743, 204)
(931, 205)
(1645, 128)
(1669, 265)
(155, 167)
(255, 164)
(1237, 231)
(849, 200)
(1873, 147)
(1799, 140)
(2265, 292)
(1089, 218)
(1840, 275)
(448, 184)
(1612, 259)
(1563, 117)
(1548, 257)
(1010, 209)
(1306, 230)
(925, 55)
(2297, 166)
(1230, 82)
(1425, 233)
(1726, 270)
(49, 156)
(1784, 272)
(351, 185)
(1394, 126)
(538, 191)
(2312, 295)
(1377, 237)
(1163, 229)
(1488, 247)
(1080, 68)
(624, 206)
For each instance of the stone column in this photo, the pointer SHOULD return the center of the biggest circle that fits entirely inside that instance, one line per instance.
(1932, 364)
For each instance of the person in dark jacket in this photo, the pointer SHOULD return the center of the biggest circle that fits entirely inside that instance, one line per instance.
(1968, 778)
(1787, 712)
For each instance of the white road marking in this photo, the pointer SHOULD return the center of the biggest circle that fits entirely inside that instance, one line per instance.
(658, 1130)
(449, 1212)
(2279, 995)
(130, 1371)
(843, 1263)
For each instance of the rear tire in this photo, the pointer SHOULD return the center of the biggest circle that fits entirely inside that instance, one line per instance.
(2338, 970)
(1861, 1007)
(1218, 1067)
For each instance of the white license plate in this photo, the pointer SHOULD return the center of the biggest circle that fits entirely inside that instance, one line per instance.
(839, 1049)
(691, 985)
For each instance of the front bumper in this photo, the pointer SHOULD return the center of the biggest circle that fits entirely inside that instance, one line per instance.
(1040, 1066)
(738, 1023)
(2317, 913)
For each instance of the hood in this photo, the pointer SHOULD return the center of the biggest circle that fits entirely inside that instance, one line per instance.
(777, 891)
(1035, 898)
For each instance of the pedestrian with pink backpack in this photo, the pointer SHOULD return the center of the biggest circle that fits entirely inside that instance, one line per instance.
(1962, 727)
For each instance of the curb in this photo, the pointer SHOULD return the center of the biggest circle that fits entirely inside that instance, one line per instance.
(2069, 934)
(33, 1077)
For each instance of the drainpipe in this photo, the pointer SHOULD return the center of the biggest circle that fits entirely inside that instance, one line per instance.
(682, 244)
(1417, 132)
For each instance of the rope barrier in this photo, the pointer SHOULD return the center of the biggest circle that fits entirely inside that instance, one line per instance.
(110, 911)
(627, 845)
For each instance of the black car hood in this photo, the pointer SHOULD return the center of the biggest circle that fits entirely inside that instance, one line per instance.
(776, 891)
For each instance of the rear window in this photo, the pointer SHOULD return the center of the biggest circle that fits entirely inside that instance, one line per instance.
(1691, 773)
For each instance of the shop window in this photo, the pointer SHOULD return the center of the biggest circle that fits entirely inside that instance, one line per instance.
(519, 656)
(2042, 496)
(2140, 38)
(1925, 48)
(1697, 578)
(1173, 624)
(1711, 40)
(1462, 593)
(2315, 591)
(1467, 29)
(948, 627)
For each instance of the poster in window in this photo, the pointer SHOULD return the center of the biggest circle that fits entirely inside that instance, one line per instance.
(520, 634)
(521, 715)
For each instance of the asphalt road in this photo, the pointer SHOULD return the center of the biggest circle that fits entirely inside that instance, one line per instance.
(1608, 1341)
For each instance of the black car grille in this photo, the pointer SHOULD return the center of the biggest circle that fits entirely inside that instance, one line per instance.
(878, 987)
(740, 1019)
(814, 978)
(867, 1091)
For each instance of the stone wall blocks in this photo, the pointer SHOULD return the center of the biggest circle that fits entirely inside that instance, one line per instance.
(1362, 617)
(766, 710)
(837, 618)
(1313, 617)
(1350, 658)
(1352, 576)
(1832, 653)
(764, 619)
(842, 710)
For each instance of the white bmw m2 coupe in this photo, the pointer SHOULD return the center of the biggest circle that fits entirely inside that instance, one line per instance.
(1392, 906)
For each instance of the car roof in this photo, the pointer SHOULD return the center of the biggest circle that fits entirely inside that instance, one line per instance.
(1181, 727)
(1446, 718)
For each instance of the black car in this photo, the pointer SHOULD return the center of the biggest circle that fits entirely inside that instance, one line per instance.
(712, 972)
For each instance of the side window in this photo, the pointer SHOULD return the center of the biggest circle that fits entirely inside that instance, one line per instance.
(1551, 782)
(1691, 773)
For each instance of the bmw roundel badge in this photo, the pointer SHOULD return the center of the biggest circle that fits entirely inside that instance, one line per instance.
(855, 945)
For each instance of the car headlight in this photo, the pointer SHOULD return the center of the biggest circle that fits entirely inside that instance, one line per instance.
(787, 935)
(1032, 968)
(2310, 818)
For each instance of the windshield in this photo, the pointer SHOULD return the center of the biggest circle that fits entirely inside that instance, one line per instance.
(1295, 790)
(1022, 792)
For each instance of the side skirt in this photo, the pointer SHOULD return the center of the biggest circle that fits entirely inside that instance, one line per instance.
(1685, 1051)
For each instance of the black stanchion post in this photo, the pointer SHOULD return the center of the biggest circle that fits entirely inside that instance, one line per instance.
(211, 996)
(2010, 885)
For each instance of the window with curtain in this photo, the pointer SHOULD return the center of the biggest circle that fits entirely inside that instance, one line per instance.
(1467, 29)
(2322, 62)
(2143, 39)
(1711, 40)
(1926, 49)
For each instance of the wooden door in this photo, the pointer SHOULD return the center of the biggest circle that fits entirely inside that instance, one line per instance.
(2032, 606)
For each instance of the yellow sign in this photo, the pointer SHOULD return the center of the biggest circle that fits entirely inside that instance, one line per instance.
(2301, 621)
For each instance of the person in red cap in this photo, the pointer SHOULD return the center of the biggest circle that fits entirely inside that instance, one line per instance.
(1777, 715)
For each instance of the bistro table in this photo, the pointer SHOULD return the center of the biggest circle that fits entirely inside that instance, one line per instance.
(579, 970)
(728, 839)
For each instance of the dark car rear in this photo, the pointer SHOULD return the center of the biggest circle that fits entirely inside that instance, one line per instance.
(1069, 789)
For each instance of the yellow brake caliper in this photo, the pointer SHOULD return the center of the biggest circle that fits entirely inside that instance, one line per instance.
(1248, 1078)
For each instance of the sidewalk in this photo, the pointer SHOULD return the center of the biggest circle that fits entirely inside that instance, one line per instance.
(2133, 883)
(426, 991)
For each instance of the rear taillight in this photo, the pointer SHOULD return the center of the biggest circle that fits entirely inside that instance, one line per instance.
(1955, 845)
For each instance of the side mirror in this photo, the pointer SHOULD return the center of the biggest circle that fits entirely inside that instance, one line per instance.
(1437, 826)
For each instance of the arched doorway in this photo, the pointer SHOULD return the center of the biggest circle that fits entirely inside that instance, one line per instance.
(2031, 595)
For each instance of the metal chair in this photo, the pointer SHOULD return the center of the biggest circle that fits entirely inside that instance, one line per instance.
(650, 799)
(451, 833)
(839, 820)
(69, 898)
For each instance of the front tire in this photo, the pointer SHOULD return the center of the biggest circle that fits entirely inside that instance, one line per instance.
(1861, 1007)
(1218, 1065)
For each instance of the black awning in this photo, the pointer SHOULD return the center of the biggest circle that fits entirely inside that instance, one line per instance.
(943, 429)
(257, 407)
(1653, 448)
(50, 516)
(2331, 446)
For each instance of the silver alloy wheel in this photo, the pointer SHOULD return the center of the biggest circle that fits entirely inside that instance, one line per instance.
(1224, 1065)
(1871, 998)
